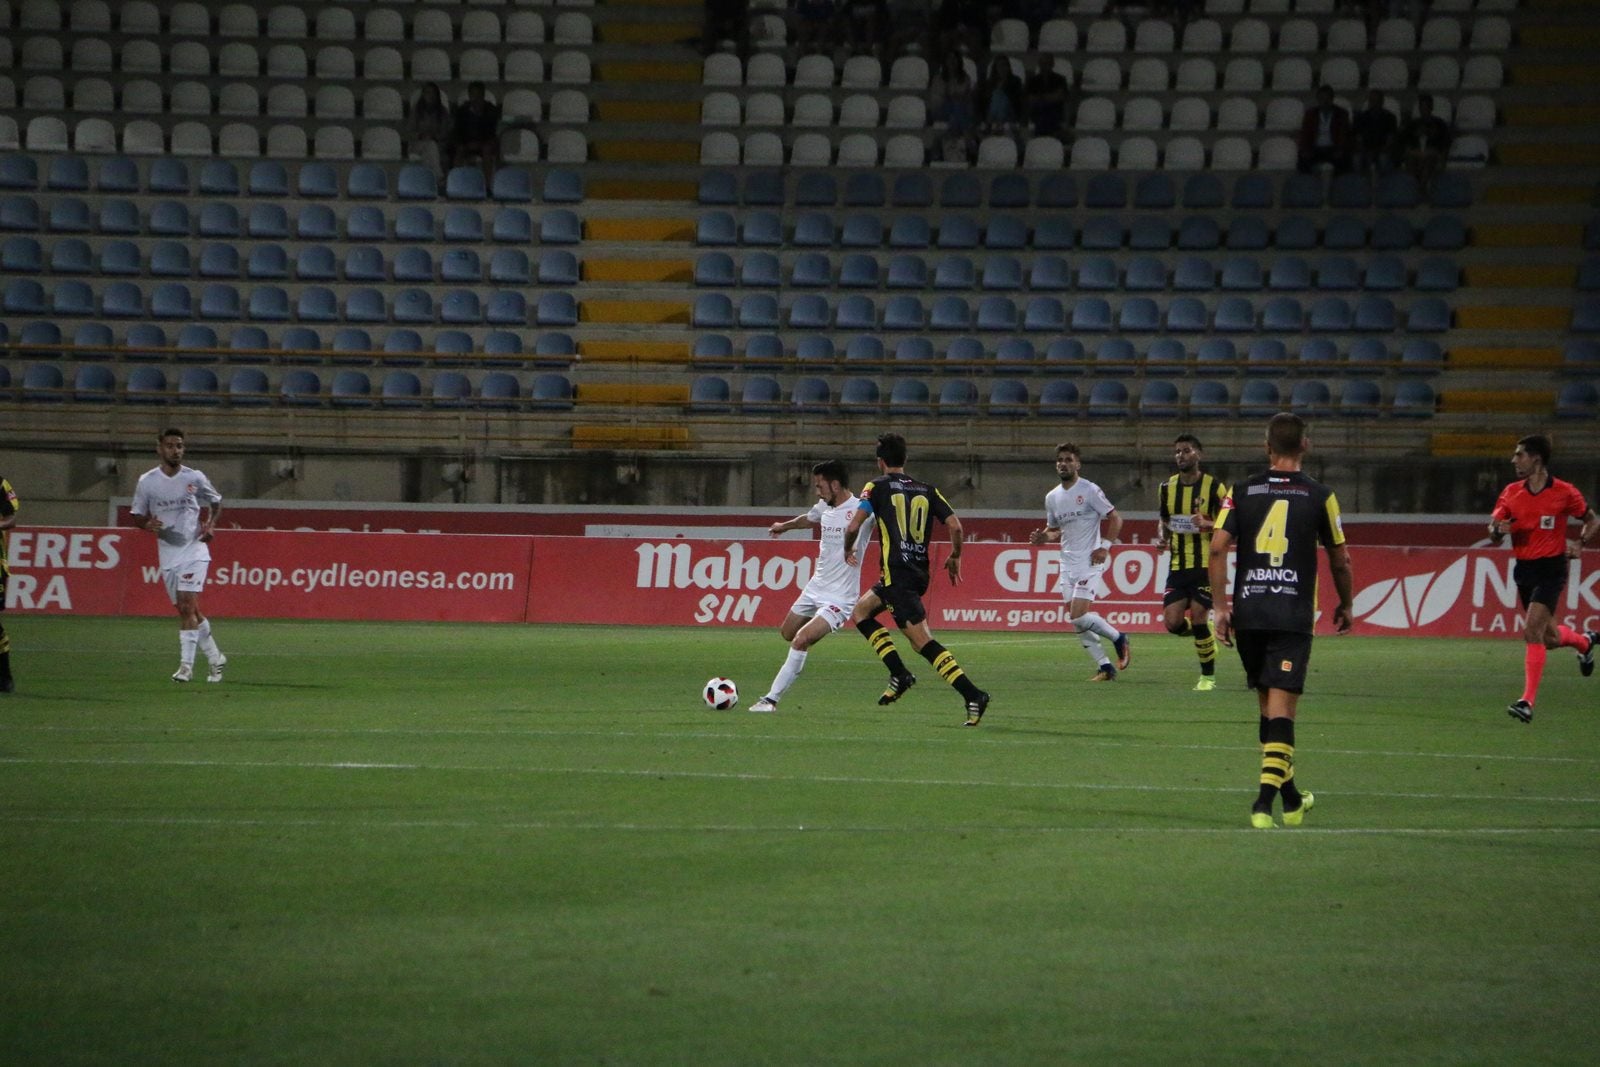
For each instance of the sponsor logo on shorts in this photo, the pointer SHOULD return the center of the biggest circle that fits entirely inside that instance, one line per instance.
(1286, 666)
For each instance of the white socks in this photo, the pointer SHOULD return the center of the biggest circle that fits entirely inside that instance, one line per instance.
(187, 639)
(1093, 621)
(792, 666)
(1091, 644)
(208, 644)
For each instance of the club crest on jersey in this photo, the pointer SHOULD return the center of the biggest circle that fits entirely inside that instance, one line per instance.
(190, 489)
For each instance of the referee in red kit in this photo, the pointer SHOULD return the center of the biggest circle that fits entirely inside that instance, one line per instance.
(1535, 511)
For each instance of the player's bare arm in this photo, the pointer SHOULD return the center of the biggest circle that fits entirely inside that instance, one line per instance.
(208, 524)
(957, 539)
(1222, 605)
(8, 521)
(149, 522)
(858, 520)
(1590, 522)
(1110, 530)
(1343, 583)
(1044, 535)
(799, 522)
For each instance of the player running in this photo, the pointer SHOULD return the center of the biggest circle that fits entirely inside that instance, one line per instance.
(1189, 503)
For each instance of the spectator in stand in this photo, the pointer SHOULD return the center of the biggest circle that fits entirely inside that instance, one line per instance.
(475, 133)
(1372, 134)
(963, 26)
(866, 23)
(1325, 135)
(428, 126)
(1047, 98)
(952, 102)
(1002, 97)
(1035, 13)
(1425, 144)
(727, 20)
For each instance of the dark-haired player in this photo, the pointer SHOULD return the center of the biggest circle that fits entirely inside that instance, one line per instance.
(1276, 519)
(1189, 503)
(1535, 510)
(8, 519)
(905, 509)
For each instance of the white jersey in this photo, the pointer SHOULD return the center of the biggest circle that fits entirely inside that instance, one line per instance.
(834, 580)
(1076, 511)
(176, 500)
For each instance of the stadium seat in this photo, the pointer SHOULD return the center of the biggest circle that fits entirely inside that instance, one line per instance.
(1414, 400)
(1059, 397)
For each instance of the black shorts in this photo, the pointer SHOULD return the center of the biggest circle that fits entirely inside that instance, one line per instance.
(904, 601)
(1540, 581)
(1274, 659)
(1192, 584)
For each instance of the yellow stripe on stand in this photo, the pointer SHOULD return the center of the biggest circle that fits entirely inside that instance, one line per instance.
(1486, 401)
(1513, 318)
(645, 229)
(634, 351)
(657, 312)
(1503, 358)
(631, 393)
(638, 270)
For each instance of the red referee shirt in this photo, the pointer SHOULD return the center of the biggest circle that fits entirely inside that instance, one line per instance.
(1539, 520)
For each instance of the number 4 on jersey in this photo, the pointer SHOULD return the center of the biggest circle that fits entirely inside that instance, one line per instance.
(1272, 540)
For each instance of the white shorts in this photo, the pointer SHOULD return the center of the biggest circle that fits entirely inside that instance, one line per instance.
(185, 578)
(1083, 584)
(832, 612)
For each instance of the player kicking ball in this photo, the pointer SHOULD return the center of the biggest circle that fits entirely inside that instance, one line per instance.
(180, 506)
(828, 598)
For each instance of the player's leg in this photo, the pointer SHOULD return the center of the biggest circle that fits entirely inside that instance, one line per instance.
(811, 631)
(1280, 663)
(1560, 635)
(187, 602)
(7, 683)
(881, 643)
(1090, 623)
(944, 664)
(1205, 640)
(1535, 651)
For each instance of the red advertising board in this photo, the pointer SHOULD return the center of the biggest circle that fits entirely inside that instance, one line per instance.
(1443, 592)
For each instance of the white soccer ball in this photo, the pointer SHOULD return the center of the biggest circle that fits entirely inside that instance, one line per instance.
(721, 693)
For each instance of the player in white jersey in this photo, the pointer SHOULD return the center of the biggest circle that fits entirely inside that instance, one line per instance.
(180, 506)
(1087, 524)
(828, 598)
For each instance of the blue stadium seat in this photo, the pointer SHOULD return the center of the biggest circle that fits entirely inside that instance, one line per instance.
(268, 303)
(1139, 314)
(18, 171)
(1350, 190)
(363, 263)
(300, 387)
(1065, 355)
(810, 394)
(1452, 189)
(66, 174)
(369, 181)
(559, 349)
(1114, 356)
(1318, 355)
(1217, 355)
(315, 222)
(809, 312)
(1331, 314)
(1243, 273)
(1368, 355)
(47, 335)
(198, 385)
(416, 182)
(462, 265)
(93, 340)
(117, 174)
(1397, 190)
(463, 224)
(43, 382)
(761, 270)
(1194, 274)
(1259, 398)
(1008, 398)
(268, 262)
(70, 215)
(711, 311)
(816, 190)
(863, 348)
(318, 181)
(950, 313)
(268, 178)
(1301, 191)
(912, 189)
(1053, 234)
(1577, 400)
(957, 396)
(218, 177)
(1360, 399)
(1375, 313)
(197, 343)
(23, 255)
(1002, 273)
(864, 189)
(557, 266)
(995, 313)
(718, 188)
(248, 344)
(120, 258)
(1041, 314)
(1159, 400)
(452, 347)
(1108, 399)
(168, 218)
(1009, 191)
(859, 394)
(715, 229)
(1341, 273)
(1014, 355)
(1252, 191)
(450, 389)
(563, 187)
(1440, 274)
(460, 307)
(763, 347)
(413, 265)
(1392, 233)
(909, 396)
(858, 270)
(365, 223)
(958, 232)
(1203, 192)
(1058, 190)
(758, 311)
(509, 266)
(814, 348)
(511, 225)
(1199, 233)
(1248, 233)
(1297, 233)
(1092, 314)
(812, 229)
(217, 220)
(1144, 274)
(1234, 314)
(865, 231)
(954, 271)
(170, 300)
(560, 227)
(1414, 400)
(168, 175)
(960, 190)
(497, 389)
(462, 183)
(1429, 315)
(1149, 233)
(351, 388)
(148, 385)
(1311, 398)
(1155, 192)
(365, 305)
(122, 300)
(1421, 356)
(403, 348)
(760, 394)
(1106, 190)
(1003, 233)
(902, 312)
(1581, 356)
(762, 229)
(1049, 274)
(710, 268)
(1283, 314)
(1097, 274)
(1210, 400)
(561, 309)
(1059, 397)
(1101, 233)
(351, 345)
(1444, 233)
(400, 389)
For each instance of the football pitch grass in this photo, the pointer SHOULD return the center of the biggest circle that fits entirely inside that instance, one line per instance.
(511, 844)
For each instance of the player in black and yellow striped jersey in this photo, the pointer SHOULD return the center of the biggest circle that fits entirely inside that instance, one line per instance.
(1189, 502)
(8, 519)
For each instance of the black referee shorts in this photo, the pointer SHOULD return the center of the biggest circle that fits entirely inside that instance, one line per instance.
(1540, 581)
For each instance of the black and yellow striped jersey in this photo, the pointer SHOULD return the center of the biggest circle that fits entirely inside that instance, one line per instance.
(903, 506)
(1189, 546)
(8, 508)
